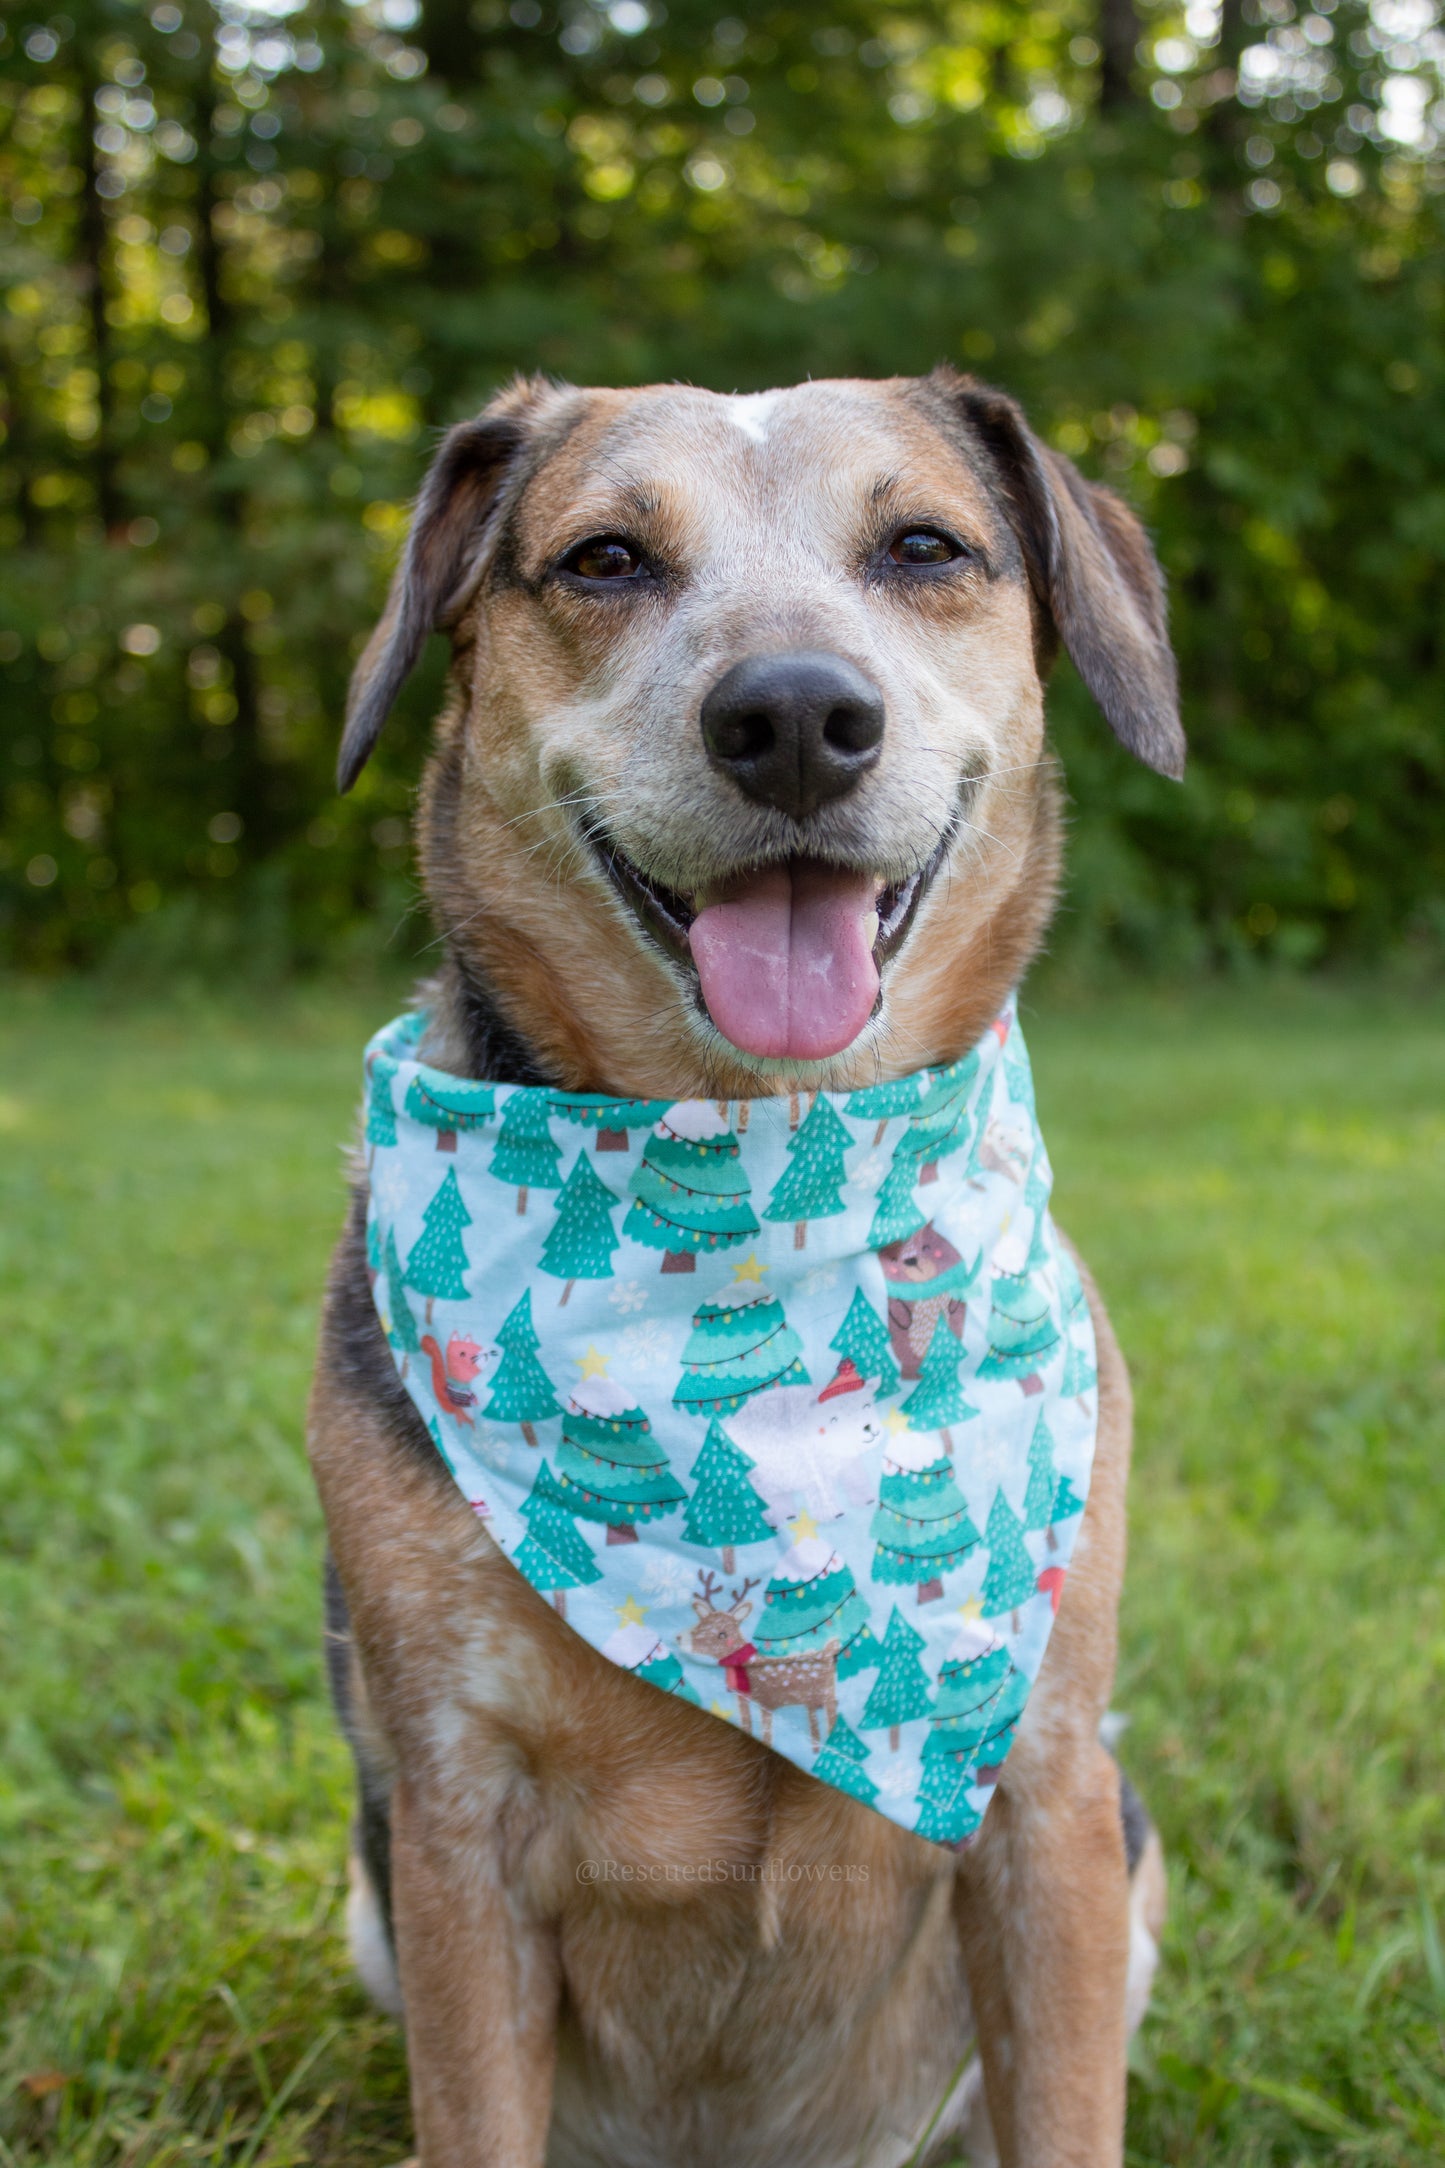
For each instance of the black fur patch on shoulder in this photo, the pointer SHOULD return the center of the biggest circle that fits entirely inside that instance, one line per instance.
(1135, 1817)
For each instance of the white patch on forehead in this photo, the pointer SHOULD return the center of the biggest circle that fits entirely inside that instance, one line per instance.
(750, 413)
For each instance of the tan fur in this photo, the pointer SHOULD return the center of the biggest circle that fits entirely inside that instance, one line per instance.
(770, 1976)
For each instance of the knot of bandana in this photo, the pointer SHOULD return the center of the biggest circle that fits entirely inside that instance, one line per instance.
(787, 1405)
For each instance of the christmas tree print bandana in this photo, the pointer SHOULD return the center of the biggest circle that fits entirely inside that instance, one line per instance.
(787, 1405)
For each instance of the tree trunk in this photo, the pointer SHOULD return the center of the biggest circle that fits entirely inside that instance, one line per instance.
(530, 1436)
(1118, 36)
(94, 240)
(621, 1535)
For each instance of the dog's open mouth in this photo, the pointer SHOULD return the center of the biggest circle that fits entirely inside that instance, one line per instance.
(788, 956)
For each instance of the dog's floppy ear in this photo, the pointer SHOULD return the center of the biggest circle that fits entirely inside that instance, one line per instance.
(447, 530)
(1092, 568)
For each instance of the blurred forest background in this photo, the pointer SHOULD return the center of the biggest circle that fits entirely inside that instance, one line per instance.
(257, 255)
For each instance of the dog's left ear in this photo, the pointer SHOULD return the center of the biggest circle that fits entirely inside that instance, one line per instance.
(443, 548)
(1093, 569)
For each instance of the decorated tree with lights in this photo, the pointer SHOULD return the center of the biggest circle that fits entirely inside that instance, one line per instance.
(583, 1238)
(690, 1192)
(553, 1554)
(724, 1510)
(862, 1339)
(900, 1691)
(921, 1526)
(437, 1265)
(840, 1763)
(1022, 1335)
(521, 1390)
(939, 1124)
(611, 1118)
(811, 1185)
(740, 1344)
(527, 1154)
(448, 1104)
(812, 1600)
(610, 1466)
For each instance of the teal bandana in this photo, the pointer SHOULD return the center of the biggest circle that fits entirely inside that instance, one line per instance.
(787, 1405)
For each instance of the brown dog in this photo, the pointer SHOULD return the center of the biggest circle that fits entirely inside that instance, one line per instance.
(784, 655)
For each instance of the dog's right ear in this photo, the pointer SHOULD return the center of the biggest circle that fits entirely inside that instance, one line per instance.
(448, 531)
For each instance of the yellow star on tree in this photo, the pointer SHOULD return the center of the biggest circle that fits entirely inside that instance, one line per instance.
(895, 1420)
(749, 1269)
(972, 1610)
(804, 1525)
(591, 1365)
(631, 1613)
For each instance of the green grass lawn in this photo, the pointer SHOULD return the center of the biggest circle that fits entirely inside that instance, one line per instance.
(1259, 1182)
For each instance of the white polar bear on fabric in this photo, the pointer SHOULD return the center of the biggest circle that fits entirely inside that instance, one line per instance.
(806, 1445)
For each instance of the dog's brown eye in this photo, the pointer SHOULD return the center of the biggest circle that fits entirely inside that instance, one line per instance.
(923, 546)
(605, 557)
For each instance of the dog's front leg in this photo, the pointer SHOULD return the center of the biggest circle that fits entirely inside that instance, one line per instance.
(480, 1981)
(1044, 1923)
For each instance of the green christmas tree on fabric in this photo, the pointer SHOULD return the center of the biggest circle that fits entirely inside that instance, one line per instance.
(811, 1186)
(1012, 1575)
(553, 1554)
(922, 1526)
(975, 1169)
(1042, 1484)
(1018, 1075)
(939, 1124)
(724, 1510)
(813, 1600)
(380, 1107)
(1022, 1335)
(862, 1339)
(740, 1344)
(521, 1389)
(437, 1265)
(1067, 1503)
(840, 1763)
(449, 1105)
(880, 1102)
(897, 1213)
(373, 1250)
(400, 1324)
(900, 1691)
(611, 1118)
(690, 1192)
(527, 1154)
(609, 1465)
(583, 1238)
(979, 1701)
(937, 1400)
(1080, 1375)
(947, 1815)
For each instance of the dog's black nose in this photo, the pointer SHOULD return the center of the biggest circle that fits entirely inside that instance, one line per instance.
(793, 731)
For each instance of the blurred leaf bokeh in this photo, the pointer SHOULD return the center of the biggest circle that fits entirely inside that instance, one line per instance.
(256, 255)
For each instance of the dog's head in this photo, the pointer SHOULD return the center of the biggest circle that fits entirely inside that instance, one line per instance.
(744, 758)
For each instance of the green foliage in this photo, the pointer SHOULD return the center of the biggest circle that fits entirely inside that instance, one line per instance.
(1259, 1187)
(253, 263)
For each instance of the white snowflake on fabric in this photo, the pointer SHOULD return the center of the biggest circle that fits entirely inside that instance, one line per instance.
(390, 1186)
(628, 1295)
(645, 1344)
(669, 1577)
(819, 1280)
(896, 1781)
(868, 1174)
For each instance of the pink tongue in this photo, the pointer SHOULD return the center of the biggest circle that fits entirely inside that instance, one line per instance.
(786, 961)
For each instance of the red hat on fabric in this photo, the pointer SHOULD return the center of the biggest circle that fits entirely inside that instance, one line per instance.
(845, 1379)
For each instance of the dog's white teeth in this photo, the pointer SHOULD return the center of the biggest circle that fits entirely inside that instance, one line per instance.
(871, 925)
